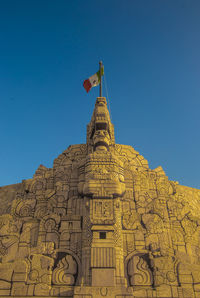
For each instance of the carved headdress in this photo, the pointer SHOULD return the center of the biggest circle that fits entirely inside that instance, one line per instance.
(100, 130)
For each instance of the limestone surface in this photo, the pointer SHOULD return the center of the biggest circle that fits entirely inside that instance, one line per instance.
(100, 223)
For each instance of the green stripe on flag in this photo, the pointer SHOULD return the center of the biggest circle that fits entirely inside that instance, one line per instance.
(102, 72)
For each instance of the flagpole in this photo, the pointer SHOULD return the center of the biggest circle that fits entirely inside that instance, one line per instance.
(100, 87)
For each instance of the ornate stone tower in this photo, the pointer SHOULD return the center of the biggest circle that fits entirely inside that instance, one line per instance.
(100, 223)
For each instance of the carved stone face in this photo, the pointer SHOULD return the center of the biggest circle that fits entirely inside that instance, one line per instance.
(101, 139)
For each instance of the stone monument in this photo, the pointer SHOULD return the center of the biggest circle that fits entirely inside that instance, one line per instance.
(100, 223)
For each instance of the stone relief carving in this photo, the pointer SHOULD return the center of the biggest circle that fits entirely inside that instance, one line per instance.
(23, 208)
(100, 201)
(101, 211)
(131, 220)
(65, 272)
(139, 273)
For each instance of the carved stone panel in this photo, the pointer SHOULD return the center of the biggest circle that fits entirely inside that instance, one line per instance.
(139, 273)
(101, 211)
(65, 271)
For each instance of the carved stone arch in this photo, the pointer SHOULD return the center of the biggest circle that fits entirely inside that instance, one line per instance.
(23, 208)
(60, 262)
(137, 269)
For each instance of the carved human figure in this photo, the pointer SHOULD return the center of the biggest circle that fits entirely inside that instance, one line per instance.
(41, 269)
(101, 139)
(157, 237)
(41, 263)
(100, 130)
(164, 270)
(9, 238)
(132, 220)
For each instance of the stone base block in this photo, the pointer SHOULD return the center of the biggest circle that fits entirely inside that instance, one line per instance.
(99, 292)
(103, 277)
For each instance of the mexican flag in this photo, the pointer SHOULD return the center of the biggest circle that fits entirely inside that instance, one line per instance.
(93, 81)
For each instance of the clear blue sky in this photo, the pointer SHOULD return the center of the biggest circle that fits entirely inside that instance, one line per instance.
(151, 53)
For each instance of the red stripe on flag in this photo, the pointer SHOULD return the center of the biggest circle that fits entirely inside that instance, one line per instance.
(87, 85)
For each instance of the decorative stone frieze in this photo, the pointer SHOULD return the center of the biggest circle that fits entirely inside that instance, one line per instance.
(100, 223)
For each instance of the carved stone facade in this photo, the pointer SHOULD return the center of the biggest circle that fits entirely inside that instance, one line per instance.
(100, 223)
